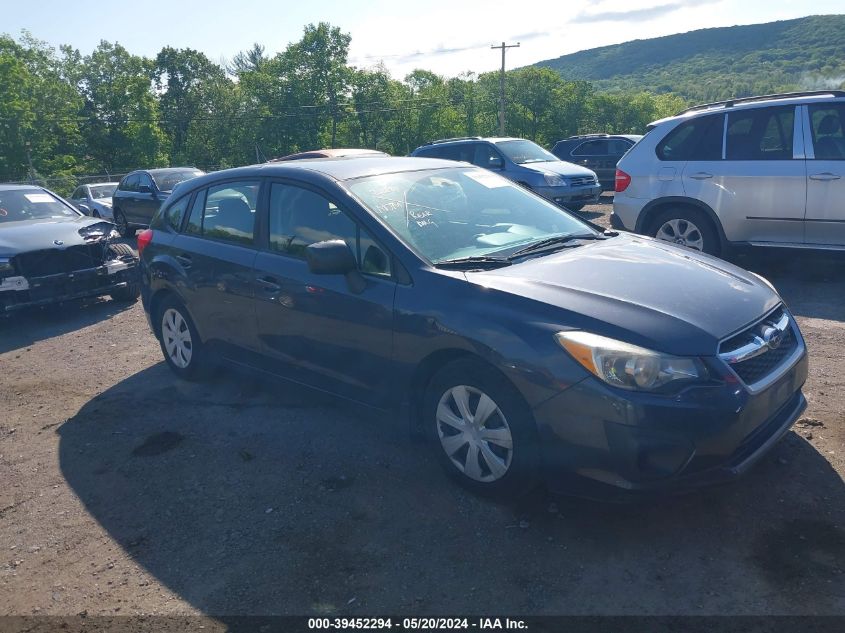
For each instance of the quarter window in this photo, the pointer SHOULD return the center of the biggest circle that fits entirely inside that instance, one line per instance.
(172, 217)
(300, 217)
(697, 139)
(760, 134)
(827, 124)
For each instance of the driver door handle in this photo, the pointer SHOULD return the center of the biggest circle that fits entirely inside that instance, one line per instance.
(269, 283)
(824, 176)
(701, 175)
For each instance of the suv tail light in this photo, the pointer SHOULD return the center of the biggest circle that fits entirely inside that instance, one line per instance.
(622, 181)
(144, 238)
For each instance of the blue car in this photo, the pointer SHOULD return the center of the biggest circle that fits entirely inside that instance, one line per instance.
(524, 343)
(526, 163)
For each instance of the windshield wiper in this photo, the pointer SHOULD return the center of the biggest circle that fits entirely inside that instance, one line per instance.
(558, 240)
(474, 262)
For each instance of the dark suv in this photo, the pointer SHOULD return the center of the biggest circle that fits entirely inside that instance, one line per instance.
(599, 152)
(495, 322)
(140, 194)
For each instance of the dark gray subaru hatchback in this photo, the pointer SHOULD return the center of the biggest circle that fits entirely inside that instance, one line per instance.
(526, 344)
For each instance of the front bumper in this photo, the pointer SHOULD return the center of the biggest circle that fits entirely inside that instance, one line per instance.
(564, 196)
(600, 443)
(17, 293)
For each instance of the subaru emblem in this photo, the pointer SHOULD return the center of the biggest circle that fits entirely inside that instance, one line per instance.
(773, 337)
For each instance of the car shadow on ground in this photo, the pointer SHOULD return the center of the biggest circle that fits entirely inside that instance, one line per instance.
(23, 328)
(251, 498)
(811, 283)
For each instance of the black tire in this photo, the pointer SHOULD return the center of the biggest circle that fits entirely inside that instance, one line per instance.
(122, 224)
(132, 291)
(575, 207)
(522, 473)
(198, 366)
(95, 214)
(687, 216)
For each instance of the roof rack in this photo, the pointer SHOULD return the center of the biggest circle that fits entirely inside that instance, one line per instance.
(580, 136)
(729, 103)
(457, 138)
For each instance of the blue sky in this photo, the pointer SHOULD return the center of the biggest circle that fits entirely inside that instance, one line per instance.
(446, 36)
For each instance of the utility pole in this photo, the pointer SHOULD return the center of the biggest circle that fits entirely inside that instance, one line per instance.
(504, 47)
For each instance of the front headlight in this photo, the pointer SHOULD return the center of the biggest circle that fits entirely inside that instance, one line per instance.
(629, 366)
(555, 180)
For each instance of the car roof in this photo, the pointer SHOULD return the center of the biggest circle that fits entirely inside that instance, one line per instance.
(339, 169)
(14, 187)
(336, 152)
(750, 103)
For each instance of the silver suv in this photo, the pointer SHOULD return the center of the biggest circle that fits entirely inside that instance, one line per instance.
(762, 171)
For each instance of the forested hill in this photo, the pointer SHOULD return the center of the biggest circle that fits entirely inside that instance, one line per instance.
(709, 64)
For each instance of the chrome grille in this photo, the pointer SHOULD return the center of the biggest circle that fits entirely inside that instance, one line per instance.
(582, 181)
(758, 352)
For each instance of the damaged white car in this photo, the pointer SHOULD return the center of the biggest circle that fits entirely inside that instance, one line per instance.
(50, 252)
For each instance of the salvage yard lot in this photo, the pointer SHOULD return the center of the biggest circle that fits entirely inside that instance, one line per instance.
(125, 491)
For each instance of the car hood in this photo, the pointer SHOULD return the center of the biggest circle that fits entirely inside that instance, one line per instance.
(642, 291)
(559, 167)
(33, 235)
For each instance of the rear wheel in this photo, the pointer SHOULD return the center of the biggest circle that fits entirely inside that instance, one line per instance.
(481, 429)
(686, 227)
(183, 350)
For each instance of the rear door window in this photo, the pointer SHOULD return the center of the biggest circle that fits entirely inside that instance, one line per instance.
(591, 148)
(760, 134)
(225, 212)
(697, 139)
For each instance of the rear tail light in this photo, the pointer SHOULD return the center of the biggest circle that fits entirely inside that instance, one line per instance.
(144, 238)
(622, 181)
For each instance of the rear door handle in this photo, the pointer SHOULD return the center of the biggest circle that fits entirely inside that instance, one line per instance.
(824, 176)
(269, 283)
(701, 175)
(185, 260)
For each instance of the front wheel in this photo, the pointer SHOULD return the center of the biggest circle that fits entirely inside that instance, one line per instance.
(132, 290)
(481, 429)
(686, 227)
(122, 224)
(180, 343)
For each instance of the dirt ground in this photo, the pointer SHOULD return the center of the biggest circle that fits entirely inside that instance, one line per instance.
(125, 491)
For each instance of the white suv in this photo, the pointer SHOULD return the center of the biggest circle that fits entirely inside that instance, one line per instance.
(764, 171)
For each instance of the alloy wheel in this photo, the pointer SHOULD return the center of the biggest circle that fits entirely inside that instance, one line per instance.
(474, 433)
(681, 232)
(176, 336)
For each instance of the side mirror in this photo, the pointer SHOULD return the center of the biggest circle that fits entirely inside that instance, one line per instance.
(496, 163)
(332, 257)
(145, 189)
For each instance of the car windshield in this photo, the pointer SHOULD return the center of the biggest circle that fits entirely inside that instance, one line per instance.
(102, 191)
(522, 152)
(32, 204)
(165, 181)
(448, 214)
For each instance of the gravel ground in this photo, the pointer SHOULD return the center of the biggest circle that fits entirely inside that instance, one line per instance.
(126, 491)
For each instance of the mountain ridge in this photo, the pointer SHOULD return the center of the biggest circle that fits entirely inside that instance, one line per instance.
(719, 62)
